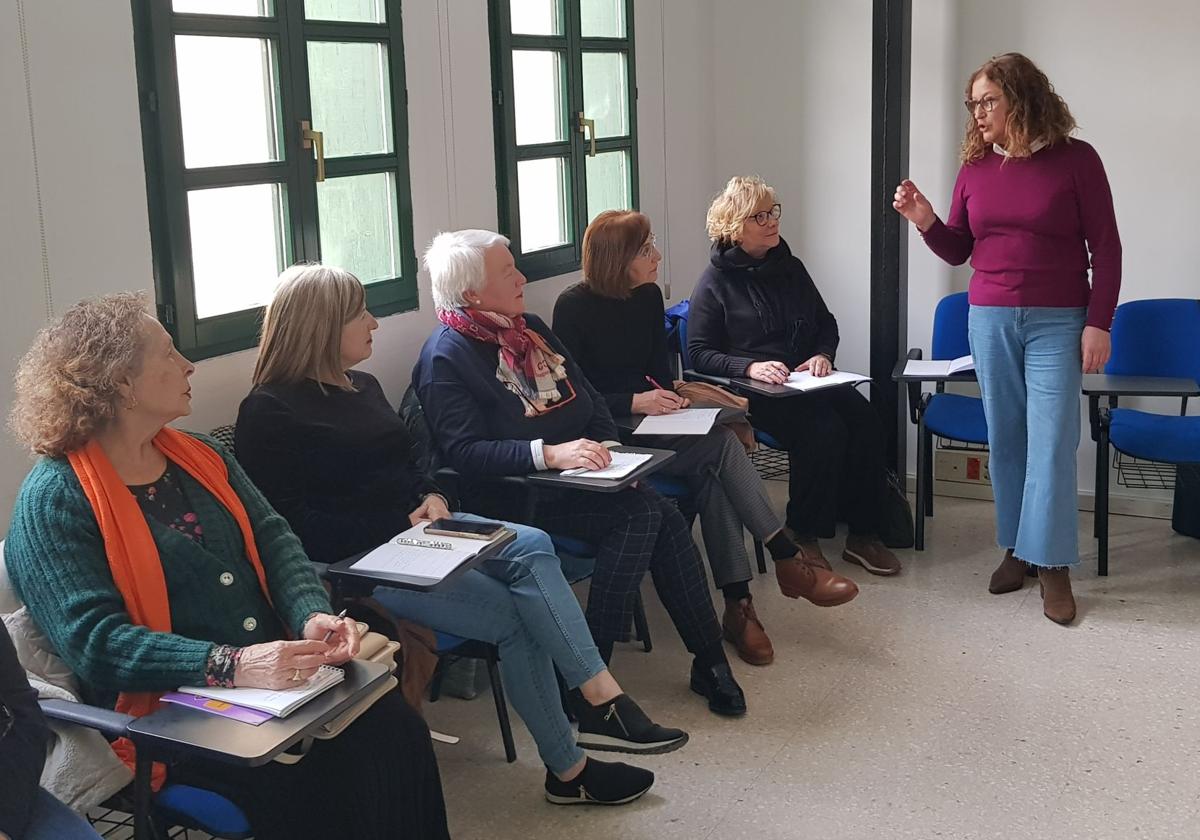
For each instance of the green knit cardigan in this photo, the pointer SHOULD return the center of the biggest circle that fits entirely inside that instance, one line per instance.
(56, 559)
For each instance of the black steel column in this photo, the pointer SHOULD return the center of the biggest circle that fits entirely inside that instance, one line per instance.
(890, 63)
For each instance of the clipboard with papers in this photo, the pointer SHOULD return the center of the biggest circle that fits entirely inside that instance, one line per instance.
(414, 560)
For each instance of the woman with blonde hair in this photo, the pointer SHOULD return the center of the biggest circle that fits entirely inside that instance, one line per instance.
(151, 562)
(612, 322)
(1033, 211)
(757, 313)
(321, 440)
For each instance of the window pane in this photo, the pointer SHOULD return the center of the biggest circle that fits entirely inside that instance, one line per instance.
(608, 183)
(602, 18)
(355, 11)
(239, 246)
(228, 100)
(543, 203)
(538, 96)
(606, 93)
(351, 97)
(360, 226)
(241, 8)
(536, 17)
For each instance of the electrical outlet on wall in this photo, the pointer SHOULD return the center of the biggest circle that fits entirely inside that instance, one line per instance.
(965, 467)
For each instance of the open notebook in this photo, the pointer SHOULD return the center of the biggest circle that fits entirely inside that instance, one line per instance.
(417, 558)
(281, 702)
(805, 381)
(939, 367)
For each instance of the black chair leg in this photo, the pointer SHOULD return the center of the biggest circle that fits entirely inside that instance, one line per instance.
(760, 556)
(510, 749)
(928, 472)
(639, 622)
(435, 682)
(142, 826)
(1102, 504)
(919, 519)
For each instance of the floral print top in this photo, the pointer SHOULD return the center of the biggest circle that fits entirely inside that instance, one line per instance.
(164, 500)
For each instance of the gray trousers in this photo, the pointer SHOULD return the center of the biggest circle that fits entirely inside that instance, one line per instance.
(729, 496)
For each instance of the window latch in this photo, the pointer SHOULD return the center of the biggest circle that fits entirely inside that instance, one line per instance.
(586, 125)
(310, 138)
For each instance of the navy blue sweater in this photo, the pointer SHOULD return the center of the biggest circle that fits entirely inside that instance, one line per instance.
(480, 425)
(747, 310)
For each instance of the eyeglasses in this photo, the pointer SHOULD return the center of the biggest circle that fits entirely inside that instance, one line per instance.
(988, 103)
(761, 217)
(647, 250)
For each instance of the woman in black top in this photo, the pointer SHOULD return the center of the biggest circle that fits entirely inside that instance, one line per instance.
(756, 312)
(504, 398)
(612, 323)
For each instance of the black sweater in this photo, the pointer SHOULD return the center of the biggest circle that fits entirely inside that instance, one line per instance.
(480, 425)
(23, 749)
(617, 343)
(340, 466)
(745, 310)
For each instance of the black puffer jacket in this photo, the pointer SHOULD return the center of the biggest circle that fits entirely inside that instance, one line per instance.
(745, 310)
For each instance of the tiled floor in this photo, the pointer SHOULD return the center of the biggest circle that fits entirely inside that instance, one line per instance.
(926, 708)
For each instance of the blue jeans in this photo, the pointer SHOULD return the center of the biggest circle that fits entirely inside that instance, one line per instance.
(52, 820)
(520, 602)
(1029, 365)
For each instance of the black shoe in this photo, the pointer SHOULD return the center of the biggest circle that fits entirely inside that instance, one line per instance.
(718, 685)
(621, 726)
(600, 783)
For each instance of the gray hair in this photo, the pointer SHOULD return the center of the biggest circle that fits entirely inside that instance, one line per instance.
(454, 260)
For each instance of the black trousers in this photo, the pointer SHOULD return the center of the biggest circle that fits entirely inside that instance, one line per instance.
(835, 454)
(378, 780)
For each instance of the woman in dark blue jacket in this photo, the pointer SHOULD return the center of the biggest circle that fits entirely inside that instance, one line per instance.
(504, 398)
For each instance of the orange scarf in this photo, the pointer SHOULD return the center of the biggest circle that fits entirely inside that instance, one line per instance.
(133, 556)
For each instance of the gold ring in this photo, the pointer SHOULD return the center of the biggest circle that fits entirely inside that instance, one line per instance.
(296, 676)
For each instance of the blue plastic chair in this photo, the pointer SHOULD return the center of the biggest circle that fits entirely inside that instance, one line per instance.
(1150, 338)
(951, 416)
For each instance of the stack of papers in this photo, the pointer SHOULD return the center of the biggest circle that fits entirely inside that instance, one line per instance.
(939, 367)
(419, 557)
(685, 421)
(623, 463)
(805, 381)
(278, 703)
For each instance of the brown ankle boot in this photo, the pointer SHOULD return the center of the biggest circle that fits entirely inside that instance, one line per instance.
(1058, 603)
(799, 578)
(810, 553)
(741, 626)
(1009, 575)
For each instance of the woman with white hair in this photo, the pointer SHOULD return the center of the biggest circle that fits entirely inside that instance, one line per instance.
(322, 442)
(504, 398)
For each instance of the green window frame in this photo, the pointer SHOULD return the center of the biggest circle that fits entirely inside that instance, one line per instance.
(283, 26)
(576, 151)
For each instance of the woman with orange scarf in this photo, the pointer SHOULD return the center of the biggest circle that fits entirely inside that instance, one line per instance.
(152, 562)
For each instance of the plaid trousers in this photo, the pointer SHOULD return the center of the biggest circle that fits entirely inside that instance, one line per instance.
(635, 530)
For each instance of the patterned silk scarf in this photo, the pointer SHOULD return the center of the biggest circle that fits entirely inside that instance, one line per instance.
(527, 365)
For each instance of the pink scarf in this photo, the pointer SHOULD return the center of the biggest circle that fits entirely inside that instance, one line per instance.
(527, 365)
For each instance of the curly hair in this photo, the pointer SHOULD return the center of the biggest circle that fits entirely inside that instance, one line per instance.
(67, 384)
(729, 210)
(1035, 113)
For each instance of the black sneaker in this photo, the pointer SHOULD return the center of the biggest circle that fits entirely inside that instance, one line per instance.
(621, 726)
(600, 783)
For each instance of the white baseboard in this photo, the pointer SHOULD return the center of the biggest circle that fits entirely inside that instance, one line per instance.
(1117, 503)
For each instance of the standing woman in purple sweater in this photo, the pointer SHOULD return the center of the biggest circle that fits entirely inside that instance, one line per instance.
(1029, 206)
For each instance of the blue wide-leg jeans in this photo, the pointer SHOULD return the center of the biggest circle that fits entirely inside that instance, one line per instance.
(520, 602)
(1029, 364)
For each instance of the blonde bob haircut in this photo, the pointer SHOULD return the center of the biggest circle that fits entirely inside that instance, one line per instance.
(68, 386)
(302, 327)
(729, 210)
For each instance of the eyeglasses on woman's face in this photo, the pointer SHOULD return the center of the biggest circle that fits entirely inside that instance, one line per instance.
(648, 248)
(763, 216)
(987, 103)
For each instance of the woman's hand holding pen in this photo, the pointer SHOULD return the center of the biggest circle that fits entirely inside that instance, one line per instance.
(657, 401)
(339, 633)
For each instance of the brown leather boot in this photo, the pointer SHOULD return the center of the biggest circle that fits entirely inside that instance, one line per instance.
(1058, 603)
(1009, 575)
(799, 578)
(810, 552)
(741, 626)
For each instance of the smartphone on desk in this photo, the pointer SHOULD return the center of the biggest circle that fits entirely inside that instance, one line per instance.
(470, 530)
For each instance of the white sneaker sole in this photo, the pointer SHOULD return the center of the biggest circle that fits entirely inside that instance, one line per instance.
(584, 799)
(608, 743)
(853, 557)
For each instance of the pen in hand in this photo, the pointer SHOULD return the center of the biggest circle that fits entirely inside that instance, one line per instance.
(329, 633)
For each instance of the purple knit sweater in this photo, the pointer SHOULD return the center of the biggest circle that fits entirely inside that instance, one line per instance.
(1028, 226)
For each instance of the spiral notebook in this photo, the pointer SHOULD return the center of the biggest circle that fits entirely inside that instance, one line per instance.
(277, 702)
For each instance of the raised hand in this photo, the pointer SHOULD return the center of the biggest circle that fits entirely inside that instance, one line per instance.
(912, 204)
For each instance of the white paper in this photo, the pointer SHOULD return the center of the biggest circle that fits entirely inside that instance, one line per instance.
(805, 381)
(962, 363)
(417, 561)
(623, 463)
(685, 421)
(938, 367)
(279, 703)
